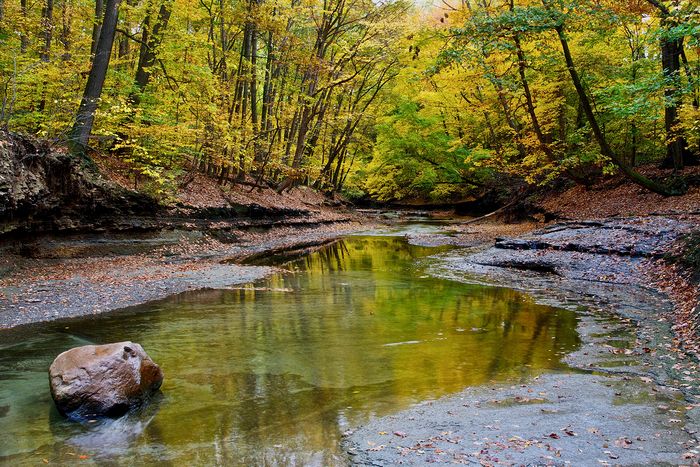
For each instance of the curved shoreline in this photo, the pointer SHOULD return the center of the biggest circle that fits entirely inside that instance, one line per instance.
(633, 381)
(630, 399)
(49, 289)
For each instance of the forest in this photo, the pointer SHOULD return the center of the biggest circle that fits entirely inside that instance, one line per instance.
(381, 100)
(350, 232)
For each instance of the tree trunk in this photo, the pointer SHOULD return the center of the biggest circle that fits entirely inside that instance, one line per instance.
(80, 133)
(150, 41)
(47, 25)
(677, 152)
(257, 156)
(600, 137)
(266, 111)
(254, 77)
(23, 39)
(44, 56)
(66, 20)
(530, 104)
(671, 63)
(97, 27)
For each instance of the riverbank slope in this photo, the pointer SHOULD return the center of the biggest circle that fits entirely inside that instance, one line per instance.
(76, 239)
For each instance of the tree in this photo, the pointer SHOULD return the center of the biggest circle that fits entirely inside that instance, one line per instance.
(605, 149)
(151, 39)
(672, 52)
(85, 116)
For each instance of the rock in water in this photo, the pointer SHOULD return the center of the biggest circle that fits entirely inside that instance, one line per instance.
(103, 380)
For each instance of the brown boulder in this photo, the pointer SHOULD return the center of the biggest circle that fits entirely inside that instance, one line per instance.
(103, 380)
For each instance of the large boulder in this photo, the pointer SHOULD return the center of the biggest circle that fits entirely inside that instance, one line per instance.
(103, 380)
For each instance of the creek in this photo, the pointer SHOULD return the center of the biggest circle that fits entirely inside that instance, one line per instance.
(274, 372)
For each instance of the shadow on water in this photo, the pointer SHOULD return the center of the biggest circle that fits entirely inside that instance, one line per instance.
(106, 437)
(274, 372)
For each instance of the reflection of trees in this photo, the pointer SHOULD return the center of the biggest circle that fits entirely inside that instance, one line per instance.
(258, 367)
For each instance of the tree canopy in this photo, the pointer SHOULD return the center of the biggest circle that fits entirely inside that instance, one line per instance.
(381, 100)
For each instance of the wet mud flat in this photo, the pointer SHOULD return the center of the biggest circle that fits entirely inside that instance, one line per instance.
(631, 398)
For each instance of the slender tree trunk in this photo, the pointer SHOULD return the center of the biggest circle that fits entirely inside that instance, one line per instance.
(45, 55)
(266, 111)
(124, 48)
(677, 152)
(600, 137)
(254, 77)
(671, 63)
(97, 27)
(634, 130)
(123, 39)
(150, 41)
(85, 116)
(47, 25)
(224, 42)
(23, 39)
(245, 70)
(257, 152)
(337, 174)
(530, 104)
(66, 22)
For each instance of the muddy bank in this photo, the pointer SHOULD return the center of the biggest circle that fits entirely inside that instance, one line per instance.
(632, 394)
(78, 276)
(44, 190)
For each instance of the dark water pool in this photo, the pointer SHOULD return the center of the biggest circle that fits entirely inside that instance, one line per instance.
(273, 373)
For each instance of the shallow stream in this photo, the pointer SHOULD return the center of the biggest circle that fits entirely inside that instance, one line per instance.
(274, 372)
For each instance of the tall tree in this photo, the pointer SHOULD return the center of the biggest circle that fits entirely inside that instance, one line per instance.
(677, 152)
(151, 39)
(97, 25)
(85, 116)
(605, 148)
(23, 38)
(47, 26)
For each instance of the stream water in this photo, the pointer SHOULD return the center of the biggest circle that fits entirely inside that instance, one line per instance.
(274, 372)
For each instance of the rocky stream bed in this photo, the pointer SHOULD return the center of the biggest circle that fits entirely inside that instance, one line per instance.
(631, 397)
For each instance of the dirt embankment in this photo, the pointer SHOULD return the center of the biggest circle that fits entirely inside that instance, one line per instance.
(45, 190)
(75, 239)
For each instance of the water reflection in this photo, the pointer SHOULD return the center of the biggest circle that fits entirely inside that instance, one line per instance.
(108, 438)
(274, 372)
